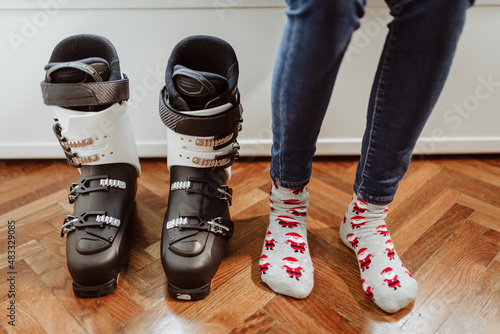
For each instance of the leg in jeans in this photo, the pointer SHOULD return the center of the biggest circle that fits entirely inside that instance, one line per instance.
(314, 40)
(413, 68)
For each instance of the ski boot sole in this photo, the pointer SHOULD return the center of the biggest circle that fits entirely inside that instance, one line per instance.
(97, 291)
(189, 294)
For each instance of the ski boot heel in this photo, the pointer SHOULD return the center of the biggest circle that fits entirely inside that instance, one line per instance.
(189, 294)
(201, 108)
(88, 92)
(95, 291)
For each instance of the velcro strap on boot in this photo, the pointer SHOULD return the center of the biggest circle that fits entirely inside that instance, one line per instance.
(97, 138)
(85, 93)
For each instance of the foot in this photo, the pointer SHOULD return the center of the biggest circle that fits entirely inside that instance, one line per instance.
(384, 278)
(285, 264)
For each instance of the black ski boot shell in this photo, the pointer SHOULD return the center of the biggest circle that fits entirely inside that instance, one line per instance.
(84, 84)
(200, 107)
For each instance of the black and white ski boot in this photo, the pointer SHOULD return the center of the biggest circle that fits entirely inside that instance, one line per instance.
(200, 105)
(88, 91)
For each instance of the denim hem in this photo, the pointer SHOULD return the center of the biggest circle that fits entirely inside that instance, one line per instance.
(289, 185)
(371, 200)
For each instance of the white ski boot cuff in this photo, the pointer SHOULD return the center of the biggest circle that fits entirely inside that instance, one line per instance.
(97, 138)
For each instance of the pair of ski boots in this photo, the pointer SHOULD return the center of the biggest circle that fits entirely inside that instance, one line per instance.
(201, 108)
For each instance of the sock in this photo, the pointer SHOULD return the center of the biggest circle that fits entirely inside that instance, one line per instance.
(384, 278)
(285, 264)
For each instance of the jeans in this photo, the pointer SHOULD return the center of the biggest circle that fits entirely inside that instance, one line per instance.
(412, 70)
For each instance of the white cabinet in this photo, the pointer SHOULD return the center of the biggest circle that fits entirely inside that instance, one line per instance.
(466, 119)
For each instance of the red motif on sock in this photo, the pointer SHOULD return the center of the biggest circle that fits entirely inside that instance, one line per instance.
(382, 230)
(299, 211)
(296, 241)
(292, 267)
(353, 240)
(358, 209)
(286, 221)
(390, 278)
(270, 242)
(368, 290)
(364, 258)
(391, 253)
(264, 264)
(357, 221)
(406, 270)
(292, 201)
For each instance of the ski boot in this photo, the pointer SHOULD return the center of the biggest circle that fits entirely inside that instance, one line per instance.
(84, 83)
(200, 105)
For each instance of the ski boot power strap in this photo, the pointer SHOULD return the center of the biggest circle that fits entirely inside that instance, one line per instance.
(84, 93)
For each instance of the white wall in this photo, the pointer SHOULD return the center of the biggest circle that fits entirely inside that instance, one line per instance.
(144, 33)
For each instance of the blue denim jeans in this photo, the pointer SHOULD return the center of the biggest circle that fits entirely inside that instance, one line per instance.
(413, 67)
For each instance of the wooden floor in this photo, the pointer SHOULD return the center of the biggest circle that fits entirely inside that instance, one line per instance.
(444, 223)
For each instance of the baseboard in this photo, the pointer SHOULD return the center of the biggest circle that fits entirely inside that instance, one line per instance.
(249, 147)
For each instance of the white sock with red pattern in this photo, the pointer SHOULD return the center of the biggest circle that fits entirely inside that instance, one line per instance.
(285, 264)
(384, 278)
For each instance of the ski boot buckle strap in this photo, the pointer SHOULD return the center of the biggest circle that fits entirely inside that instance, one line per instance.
(215, 189)
(96, 138)
(219, 141)
(71, 223)
(73, 158)
(216, 225)
(218, 161)
(83, 186)
(225, 193)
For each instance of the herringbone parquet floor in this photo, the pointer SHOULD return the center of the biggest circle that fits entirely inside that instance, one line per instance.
(444, 223)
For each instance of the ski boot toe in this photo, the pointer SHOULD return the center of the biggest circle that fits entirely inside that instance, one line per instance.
(191, 264)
